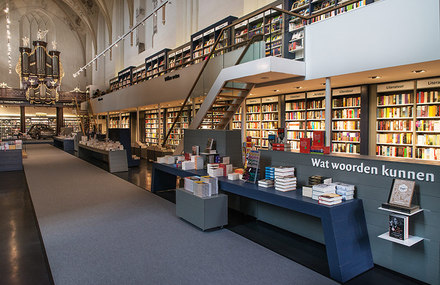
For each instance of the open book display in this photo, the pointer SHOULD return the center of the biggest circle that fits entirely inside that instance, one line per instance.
(401, 197)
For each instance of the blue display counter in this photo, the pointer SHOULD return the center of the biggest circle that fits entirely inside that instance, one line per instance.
(11, 160)
(344, 226)
(63, 143)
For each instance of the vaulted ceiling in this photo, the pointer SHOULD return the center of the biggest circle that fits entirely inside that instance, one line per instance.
(81, 15)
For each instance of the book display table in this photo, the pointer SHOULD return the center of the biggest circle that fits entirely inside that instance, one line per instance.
(11, 160)
(344, 226)
(112, 161)
(63, 143)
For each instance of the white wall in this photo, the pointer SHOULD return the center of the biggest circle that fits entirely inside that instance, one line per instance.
(183, 18)
(384, 34)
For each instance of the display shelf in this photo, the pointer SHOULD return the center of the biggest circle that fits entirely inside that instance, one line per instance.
(9, 126)
(114, 84)
(401, 213)
(125, 77)
(156, 64)
(236, 120)
(410, 241)
(395, 112)
(202, 42)
(428, 119)
(315, 112)
(139, 74)
(253, 113)
(152, 126)
(114, 122)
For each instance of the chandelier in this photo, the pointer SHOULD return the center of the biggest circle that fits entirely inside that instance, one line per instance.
(40, 70)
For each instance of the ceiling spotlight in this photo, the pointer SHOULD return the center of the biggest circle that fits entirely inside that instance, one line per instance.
(116, 45)
(323, 84)
(418, 71)
(375, 77)
(299, 87)
(265, 77)
(276, 90)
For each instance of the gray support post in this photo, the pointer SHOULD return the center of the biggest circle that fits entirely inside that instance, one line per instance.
(328, 112)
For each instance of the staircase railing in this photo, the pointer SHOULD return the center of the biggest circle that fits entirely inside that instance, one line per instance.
(249, 42)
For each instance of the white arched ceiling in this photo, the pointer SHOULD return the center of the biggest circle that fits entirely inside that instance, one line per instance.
(36, 20)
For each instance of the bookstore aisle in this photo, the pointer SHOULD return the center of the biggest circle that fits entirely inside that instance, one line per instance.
(100, 229)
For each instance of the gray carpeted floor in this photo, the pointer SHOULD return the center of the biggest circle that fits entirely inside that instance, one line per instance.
(100, 229)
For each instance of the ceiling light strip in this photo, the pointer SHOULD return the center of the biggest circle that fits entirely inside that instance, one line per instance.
(121, 38)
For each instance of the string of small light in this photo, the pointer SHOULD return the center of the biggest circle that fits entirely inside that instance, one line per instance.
(8, 37)
(121, 38)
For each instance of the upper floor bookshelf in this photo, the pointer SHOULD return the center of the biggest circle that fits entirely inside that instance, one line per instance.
(156, 64)
(203, 41)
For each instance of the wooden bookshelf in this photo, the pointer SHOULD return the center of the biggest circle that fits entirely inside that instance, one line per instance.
(269, 118)
(203, 41)
(125, 77)
(315, 116)
(295, 118)
(9, 126)
(428, 119)
(253, 120)
(152, 126)
(395, 115)
(139, 74)
(180, 57)
(156, 64)
(236, 121)
(346, 120)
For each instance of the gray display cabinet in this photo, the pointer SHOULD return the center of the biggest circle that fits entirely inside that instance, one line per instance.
(11, 160)
(205, 213)
(112, 161)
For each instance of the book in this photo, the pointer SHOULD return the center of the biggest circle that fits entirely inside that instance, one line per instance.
(307, 191)
(195, 150)
(398, 226)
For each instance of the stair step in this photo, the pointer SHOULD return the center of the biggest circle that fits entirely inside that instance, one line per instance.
(235, 88)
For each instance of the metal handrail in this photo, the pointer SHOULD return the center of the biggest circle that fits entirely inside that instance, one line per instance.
(250, 41)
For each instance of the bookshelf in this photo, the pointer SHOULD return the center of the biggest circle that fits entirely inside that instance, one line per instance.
(313, 8)
(203, 41)
(125, 77)
(395, 120)
(253, 120)
(152, 127)
(9, 126)
(51, 121)
(236, 121)
(273, 32)
(72, 122)
(427, 126)
(180, 57)
(296, 28)
(346, 111)
(156, 64)
(269, 118)
(315, 116)
(139, 74)
(183, 123)
(124, 123)
(295, 119)
(114, 84)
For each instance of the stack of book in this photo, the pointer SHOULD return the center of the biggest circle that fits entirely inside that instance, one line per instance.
(266, 183)
(269, 173)
(330, 199)
(285, 179)
(307, 191)
(201, 189)
(318, 179)
(398, 227)
(285, 183)
(321, 189)
(345, 190)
